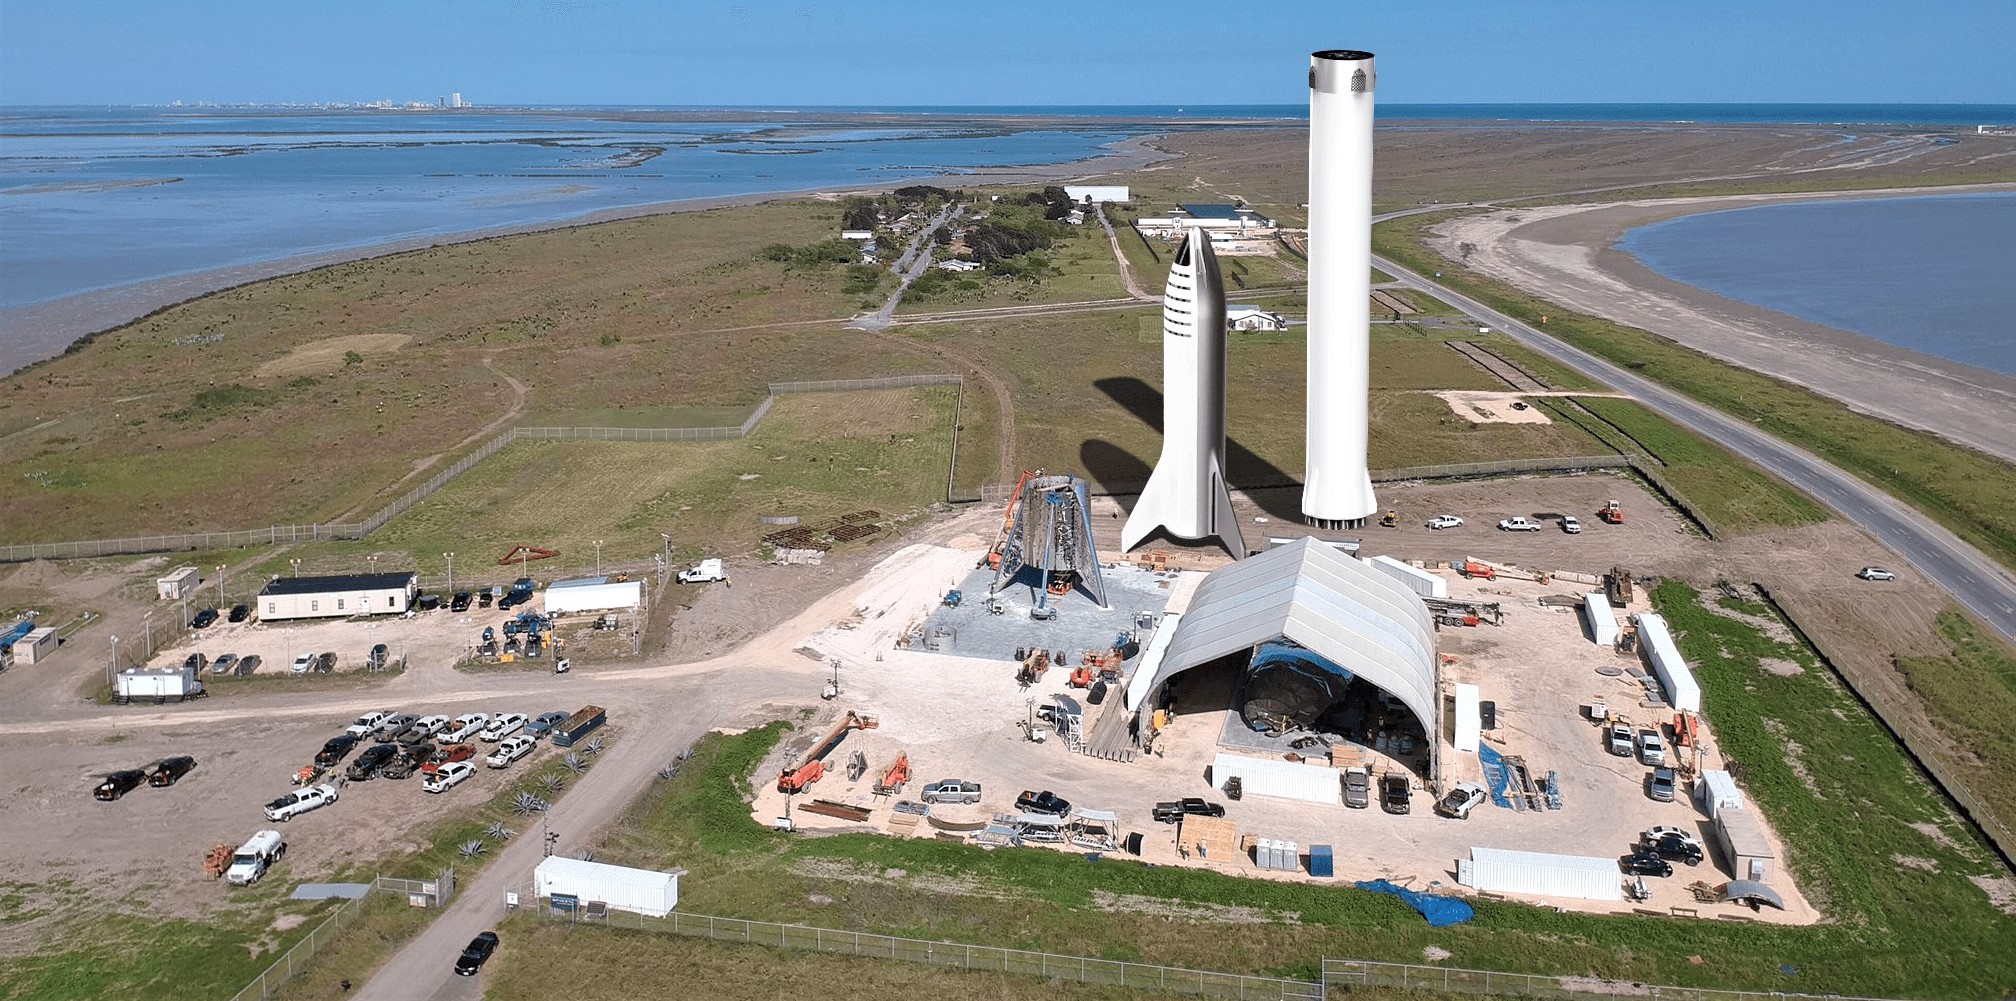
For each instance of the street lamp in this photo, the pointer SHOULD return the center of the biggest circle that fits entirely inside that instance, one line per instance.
(598, 557)
(296, 563)
(222, 599)
(450, 557)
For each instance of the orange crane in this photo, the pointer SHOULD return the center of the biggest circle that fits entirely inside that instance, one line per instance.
(896, 777)
(810, 768)
(1008, 519)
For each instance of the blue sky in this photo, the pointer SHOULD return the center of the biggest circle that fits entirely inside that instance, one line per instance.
(910, 52)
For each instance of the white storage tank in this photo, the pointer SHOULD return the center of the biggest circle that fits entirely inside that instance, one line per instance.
(1421, 582)
(639, 891)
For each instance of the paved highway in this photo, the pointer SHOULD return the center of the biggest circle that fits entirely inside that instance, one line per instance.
(1945, 558)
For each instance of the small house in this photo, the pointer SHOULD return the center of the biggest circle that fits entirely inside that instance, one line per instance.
(180, 583)
(1253, 318)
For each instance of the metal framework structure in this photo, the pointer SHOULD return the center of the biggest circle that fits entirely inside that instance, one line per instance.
(1052, 534)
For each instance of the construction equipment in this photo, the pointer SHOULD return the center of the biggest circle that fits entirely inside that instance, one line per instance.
(1612, 513)
(895, 777)
(307, 775)
(1008, 520)
(218, 860)
(1033, 666)
(1050, 532)
(1478, 569)
(857, 766)
(1617, 586)
(812, 767)
(1081, 676)
(953, 598)
(1390, 519)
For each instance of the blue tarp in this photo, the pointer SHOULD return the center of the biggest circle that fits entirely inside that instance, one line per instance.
(1440, 911)
(1496, 776)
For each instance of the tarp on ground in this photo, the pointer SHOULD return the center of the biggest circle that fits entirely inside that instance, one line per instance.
(1440, 911)
(324, 891)
(1496, 776)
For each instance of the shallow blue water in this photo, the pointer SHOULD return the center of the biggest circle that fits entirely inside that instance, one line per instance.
(1936, 274)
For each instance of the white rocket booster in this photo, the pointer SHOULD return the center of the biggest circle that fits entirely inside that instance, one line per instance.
(1186, 493)
(1337, 488)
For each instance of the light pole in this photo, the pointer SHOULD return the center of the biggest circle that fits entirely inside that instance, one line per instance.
(147, 623)
(222, 598)
(185, 611)
(450, 557)
(295, 562)
(598, 557)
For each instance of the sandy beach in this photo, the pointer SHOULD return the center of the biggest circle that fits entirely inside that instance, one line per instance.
(1568, 254)
(38, 332)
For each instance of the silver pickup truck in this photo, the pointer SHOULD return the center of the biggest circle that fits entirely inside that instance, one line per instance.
(951, 791)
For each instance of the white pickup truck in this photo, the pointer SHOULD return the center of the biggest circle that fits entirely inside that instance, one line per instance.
(301, 801)
(1518, 524)
(704, 572)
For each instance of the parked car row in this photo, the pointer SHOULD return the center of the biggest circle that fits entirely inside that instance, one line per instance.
(1516, 523)
(207, 617)
(163, 774)
(1657, 850)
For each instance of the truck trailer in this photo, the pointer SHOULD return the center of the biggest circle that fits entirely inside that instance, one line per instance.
(579, 725)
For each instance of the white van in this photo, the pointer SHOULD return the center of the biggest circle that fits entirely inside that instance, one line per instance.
(254, 857)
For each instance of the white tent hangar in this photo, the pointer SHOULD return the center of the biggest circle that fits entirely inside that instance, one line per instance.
(1322, 600)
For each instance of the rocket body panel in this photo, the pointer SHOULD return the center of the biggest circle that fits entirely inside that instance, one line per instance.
(1187, 493)
(1337, 486)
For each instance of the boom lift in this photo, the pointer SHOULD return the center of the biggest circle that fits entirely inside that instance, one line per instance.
(811, 767)
(1008, 519)
(896, 777)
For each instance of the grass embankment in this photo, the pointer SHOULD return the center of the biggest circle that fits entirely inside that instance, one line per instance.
(1731, 496)
(1970, 493)
(663, 966)
(1971, 691)
(109, 953)
(1814, 760)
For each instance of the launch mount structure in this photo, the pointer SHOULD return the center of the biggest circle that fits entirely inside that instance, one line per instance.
(1052, 534)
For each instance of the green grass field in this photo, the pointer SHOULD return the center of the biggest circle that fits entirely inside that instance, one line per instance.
(1970, 493)
(1971, 691)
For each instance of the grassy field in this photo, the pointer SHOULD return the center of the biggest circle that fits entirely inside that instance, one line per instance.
(107, 951)
(1971, 691)
(1812, 755)
(1970, 493)
(1734, 496)
(538, 955)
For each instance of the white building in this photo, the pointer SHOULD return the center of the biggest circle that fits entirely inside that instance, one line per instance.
(857, 234)
(959, 265)
(1253, 318)
(1218, 220)
(569, 883)
(35, 646)
(179, 583)
(339, 596)
(1097, 193)
(593, 594)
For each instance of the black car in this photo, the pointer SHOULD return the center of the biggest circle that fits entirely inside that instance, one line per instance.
(368, 763)
(1175, 810)
(460, 603)
(1396, 794)
(428, 602)
(247, 664)
(1675, 848)
(338, 748)
(239, 613)
(203, 619)
(170, 771)
(325, 663)
(409, 760)
(472, 958)
(1043, 802)
(119, 784)
(1643, 863)
(194, 662)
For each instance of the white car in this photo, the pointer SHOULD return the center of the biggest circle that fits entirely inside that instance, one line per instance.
(1570, 525)
(448, 776)
(366, 724)
(1875, 573)
(465, 728)
(1442, 521)
(425, 727)
(1657, 834)
(1651, 748)
(303, 662)
(1518, 524)
(503, 726)
(300, 801)
(510, 750)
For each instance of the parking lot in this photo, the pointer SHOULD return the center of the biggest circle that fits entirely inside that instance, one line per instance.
(961, 717)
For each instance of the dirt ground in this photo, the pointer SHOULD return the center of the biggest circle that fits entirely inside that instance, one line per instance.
(958, 717)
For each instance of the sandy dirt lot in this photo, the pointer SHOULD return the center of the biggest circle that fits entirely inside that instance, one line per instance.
(1567, 254)
(957, 717)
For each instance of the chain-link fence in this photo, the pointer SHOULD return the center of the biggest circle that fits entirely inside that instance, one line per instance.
(288, 534)
(1344, 975)
(1049, 966)
(292, 961)
(998, 493)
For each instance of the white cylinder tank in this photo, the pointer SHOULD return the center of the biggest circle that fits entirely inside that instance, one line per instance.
(1337, 485)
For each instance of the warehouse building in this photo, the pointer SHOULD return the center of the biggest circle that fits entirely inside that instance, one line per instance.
(338, 596)
(1323, 638)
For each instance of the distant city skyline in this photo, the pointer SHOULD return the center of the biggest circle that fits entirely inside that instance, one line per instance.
(910, 53)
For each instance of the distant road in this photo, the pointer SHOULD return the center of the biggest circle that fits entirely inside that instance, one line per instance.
(1945, 558)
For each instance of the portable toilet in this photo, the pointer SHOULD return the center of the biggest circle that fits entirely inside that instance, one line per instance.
(1321, 862)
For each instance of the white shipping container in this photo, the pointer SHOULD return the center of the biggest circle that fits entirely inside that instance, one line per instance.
(1602, 618)
(640, 891)
(1682, 691)
(1718, 792)
(1285, 779)
(606, 597)
(1421, 582)
(1541, 875)
(150, 683)
(35, 646)
(1469, 717)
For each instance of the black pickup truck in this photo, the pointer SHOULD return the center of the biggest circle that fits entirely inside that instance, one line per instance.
(1175, 810)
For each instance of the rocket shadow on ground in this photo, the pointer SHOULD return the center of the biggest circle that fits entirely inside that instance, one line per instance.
(1117, 470)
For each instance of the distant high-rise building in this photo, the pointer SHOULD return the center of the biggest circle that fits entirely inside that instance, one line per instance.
(455, 99)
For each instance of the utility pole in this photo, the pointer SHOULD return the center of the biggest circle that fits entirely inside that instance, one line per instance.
(112, 668)
(450, 557)
(223, 598)
(147, 623)
(598, 557)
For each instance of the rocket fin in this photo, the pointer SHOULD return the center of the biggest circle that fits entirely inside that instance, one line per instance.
(1223, 521)
(1150, 511)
